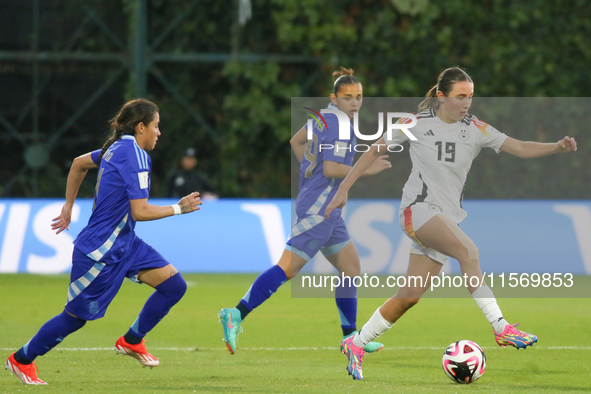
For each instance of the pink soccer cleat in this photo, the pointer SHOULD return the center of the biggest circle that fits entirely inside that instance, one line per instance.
(355, 355)
(513, 337)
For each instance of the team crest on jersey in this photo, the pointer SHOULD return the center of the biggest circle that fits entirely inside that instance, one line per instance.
(464, 136)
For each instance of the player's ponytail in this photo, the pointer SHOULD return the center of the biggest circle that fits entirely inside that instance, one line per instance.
(445, 83)
(343, 77)
(430, 101)
(129, 116)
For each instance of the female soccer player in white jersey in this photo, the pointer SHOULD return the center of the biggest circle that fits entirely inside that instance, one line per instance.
(321, 173)
(448, 139)
(107, 250)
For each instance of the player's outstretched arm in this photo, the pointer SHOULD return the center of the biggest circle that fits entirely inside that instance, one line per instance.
(142, 211)
(359, 169)
(332, 169)
(298, 143)
(80, 167)
(531, 149)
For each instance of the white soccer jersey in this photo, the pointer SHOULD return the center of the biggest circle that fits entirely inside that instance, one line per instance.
(441, 159)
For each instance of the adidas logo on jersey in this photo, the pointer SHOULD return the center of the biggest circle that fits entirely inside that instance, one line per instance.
(429, 133)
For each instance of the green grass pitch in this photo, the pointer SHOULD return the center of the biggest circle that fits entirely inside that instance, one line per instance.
(289, 345)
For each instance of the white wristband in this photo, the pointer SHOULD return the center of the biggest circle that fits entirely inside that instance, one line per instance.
(177, 209)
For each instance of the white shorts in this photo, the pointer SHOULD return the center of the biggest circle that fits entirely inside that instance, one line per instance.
(413, 218)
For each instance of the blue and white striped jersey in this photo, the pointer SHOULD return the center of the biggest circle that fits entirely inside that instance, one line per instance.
(316, 190)
(124, 175)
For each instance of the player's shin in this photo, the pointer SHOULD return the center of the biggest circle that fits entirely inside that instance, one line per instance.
(346, 300)
(167, 294)
(264, 286)
(487, 303)
(375, 327)
(49, 336)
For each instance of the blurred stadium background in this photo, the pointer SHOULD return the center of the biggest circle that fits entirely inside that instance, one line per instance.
(223, 73)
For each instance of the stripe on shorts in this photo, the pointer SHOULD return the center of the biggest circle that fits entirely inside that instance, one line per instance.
(408, 225)
(306, 224)
(84, 281)
(321, 199)
(104, 248)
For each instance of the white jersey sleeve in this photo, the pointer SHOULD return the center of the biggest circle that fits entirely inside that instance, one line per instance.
(397, 136)
(491, 137)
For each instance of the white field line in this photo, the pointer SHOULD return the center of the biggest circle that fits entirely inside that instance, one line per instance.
(191, 349)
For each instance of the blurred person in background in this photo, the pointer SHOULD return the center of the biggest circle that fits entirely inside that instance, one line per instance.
(188, 179)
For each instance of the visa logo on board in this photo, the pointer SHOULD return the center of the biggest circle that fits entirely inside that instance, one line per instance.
(40, 250)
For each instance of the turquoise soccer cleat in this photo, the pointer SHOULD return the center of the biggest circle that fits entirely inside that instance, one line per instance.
(230, 319)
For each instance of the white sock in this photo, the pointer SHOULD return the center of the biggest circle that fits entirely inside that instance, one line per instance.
(487, 303)
(375, 327)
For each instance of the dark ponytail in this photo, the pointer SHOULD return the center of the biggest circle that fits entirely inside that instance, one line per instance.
(444, 84)
(129, 116)
(343, 77)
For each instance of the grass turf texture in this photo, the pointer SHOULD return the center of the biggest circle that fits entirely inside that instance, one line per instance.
(194, 359)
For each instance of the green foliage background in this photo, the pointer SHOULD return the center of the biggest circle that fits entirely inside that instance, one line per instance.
(510, 48)
(397, 47)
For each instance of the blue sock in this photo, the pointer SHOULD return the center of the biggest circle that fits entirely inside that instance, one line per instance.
(262, 288)
(167, 294)
(346, 299)
(49, 336)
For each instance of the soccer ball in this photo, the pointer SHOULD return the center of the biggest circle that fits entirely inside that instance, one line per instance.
(464, 361)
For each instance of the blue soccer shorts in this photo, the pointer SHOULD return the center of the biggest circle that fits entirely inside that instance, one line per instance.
(314, 233)
(93, 285)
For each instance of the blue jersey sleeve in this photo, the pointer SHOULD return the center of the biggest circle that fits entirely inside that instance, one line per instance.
(136, 173)
(94, 155)
(340, 146)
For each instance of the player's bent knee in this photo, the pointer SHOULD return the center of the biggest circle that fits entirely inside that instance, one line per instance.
(174, 287)
(410, 302)
(290, 270)
(467, 260)
(405, 303)
(74, 322)
(287, 273)
(473, 253)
